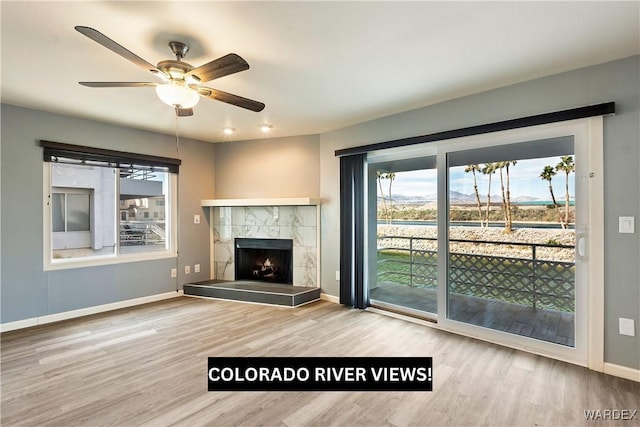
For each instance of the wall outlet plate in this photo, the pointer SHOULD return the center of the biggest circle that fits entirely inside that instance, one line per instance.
(627, 327)
(187, 269)
(174, 273)
(626, 224)
(196, 268)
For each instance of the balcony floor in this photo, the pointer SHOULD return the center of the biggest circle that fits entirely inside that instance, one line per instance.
(547, 325)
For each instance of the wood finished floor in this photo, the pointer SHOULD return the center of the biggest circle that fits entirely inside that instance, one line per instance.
(147, 366)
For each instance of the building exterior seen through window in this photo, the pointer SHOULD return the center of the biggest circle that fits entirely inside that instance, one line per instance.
(102, 211)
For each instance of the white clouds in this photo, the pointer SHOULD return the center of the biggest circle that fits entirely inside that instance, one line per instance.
(420, 183)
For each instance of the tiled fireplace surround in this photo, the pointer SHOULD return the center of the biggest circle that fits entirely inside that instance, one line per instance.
(299, 223)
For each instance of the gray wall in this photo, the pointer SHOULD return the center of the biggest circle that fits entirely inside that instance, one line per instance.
(26, 290)
(617, 81)
(268, 167)
(305, 166)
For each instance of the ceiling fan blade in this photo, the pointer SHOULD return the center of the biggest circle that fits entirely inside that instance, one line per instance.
(105, 41)
(228, 64)
(229, 98)
(117, 84)
(184, 112)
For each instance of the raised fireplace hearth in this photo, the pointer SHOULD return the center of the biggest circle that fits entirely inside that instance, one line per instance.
(264, 260)
(254, 292)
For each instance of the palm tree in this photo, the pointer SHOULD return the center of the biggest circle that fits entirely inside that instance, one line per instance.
(390, 176)
(488, 169)
(567, 165)
(500, 166)
(379, 177)
(473, 168)
(509, 213)
(547, 174)
(506, 195)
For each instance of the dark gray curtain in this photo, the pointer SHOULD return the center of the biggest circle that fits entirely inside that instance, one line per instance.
(352, 199)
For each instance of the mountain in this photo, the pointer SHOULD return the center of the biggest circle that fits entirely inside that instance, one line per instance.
(525, 199)
(457, 198)
(411, 200)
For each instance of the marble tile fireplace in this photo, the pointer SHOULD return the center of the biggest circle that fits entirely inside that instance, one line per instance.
(264, 260)
(265, 221)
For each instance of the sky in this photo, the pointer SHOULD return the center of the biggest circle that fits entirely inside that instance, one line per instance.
(525, 181)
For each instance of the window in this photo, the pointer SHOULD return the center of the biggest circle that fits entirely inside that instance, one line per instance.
(100, 211)
(71, 210)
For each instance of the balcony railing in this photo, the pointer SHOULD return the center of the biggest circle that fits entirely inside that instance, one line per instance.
(521, 279)
(141, 233)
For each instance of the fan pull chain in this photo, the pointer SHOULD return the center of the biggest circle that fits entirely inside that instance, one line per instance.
(177, 133)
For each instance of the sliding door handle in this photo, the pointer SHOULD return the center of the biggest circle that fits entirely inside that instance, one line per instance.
(581, 246)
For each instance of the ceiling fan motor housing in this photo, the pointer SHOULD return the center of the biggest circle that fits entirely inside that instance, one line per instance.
(174, 69)
(179, 49)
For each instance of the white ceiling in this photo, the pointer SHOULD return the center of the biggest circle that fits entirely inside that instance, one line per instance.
(318, 66)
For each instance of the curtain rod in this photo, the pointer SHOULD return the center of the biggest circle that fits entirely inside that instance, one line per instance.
(540, 119)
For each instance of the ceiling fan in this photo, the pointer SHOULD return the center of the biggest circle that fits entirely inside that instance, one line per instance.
(180, 86)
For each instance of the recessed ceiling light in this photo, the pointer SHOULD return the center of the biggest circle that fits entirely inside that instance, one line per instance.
(265, 128)
(228, 131)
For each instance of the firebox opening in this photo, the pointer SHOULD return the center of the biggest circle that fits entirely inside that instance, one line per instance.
(264, 260)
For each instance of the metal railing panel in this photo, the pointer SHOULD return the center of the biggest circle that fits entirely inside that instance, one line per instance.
(530, 281)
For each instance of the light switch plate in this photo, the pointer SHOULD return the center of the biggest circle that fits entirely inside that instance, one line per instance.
(627, 327)
(196, 219)
(174, 272)
(626, 224)
(196, 268)
(187, 269)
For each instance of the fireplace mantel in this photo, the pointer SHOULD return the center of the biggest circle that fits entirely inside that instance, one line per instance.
(286, 201)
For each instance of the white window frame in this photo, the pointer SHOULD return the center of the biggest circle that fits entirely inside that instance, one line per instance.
(590, 323)
(50, 264)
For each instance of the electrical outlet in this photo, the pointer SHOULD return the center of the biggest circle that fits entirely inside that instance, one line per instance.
(626, 224)
(174, 272)
(196, 219)
(338, 275)
(627, 327)
(187, 269)
(196, 268)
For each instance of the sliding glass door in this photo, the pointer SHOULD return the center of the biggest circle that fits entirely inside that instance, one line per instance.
(495, 236)
(406, 258)
(511, 252)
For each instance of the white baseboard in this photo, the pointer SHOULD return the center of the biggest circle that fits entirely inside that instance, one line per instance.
(622, 372)
(65, 315)
(330, 298)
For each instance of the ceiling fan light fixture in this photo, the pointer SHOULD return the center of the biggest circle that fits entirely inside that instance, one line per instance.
(177, 95)
(228, 131)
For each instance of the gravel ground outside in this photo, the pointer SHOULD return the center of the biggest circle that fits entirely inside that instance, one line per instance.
(503, 245)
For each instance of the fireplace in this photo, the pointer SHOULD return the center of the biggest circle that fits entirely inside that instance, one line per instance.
(264, 260)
